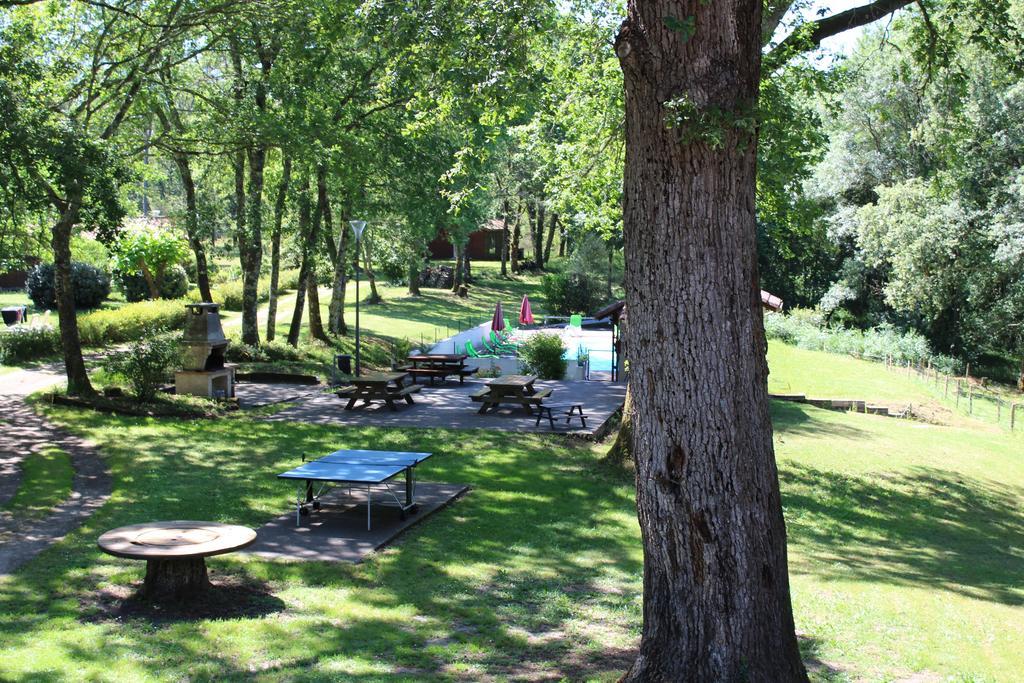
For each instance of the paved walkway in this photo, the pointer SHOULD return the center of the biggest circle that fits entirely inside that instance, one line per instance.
(23, 432)
(448, 405)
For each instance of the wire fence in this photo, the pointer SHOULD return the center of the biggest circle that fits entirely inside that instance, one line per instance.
(966, 395)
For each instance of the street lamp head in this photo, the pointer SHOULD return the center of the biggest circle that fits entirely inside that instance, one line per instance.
(357, 228)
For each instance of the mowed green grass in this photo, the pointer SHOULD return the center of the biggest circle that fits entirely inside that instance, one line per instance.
(46, 481)
(818, 374)
(906, 554)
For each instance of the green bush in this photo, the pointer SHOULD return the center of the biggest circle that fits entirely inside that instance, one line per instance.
(173, 284)
(90, 284)
(269, 352)
(22, 343)
(131, 322)
(146, 364)
(569, 293)
(543, 355)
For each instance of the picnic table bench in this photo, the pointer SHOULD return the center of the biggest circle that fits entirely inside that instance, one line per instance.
(569, 411)
(514, 389)
(379, 386)
(438, 365)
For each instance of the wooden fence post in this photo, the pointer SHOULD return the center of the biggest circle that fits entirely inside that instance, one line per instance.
(1013, 416)
(945, 388)
(970, 399)
(958, 393)
(999, 410)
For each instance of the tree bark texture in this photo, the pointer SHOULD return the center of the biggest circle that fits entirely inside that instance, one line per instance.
(252, 248)
(275, 244)
(304, 266)
(374, 297)
(336, 310)
(414, 277)
(716, 586)
(70, 342)
(316, 325)
(514, 250)
(551, 236)
(457, 280)
(179, 579)
(504, 238)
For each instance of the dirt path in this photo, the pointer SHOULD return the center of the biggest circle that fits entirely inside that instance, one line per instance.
(23, 432)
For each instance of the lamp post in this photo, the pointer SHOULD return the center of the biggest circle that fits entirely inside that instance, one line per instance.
(357, 230)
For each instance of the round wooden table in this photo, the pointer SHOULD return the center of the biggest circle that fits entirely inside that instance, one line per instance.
(175, 552)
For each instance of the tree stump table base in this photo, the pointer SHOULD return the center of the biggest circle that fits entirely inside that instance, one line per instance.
(175, 553)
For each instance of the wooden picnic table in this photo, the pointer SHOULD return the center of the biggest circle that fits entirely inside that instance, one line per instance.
(379, 386)
(438, 365)
(517, 389)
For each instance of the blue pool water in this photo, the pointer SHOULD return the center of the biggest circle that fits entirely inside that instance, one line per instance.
(600, 359)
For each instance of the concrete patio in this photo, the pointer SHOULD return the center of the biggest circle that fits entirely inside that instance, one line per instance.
(448, 405)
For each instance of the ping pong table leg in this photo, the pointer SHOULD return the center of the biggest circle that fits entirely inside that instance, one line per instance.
(410, 483)
(368, 497)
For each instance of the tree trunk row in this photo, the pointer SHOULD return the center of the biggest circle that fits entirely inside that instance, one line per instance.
(275, 244)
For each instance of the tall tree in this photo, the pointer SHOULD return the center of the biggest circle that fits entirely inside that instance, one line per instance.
(716, 583)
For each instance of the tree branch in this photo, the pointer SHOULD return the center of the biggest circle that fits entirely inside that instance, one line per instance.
(838, 23)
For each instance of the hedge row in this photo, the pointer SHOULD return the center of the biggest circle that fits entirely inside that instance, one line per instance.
(131, 322)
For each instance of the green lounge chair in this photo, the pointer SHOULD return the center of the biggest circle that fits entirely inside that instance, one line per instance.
(576, 320)
(489, 348)
(472, 352)
(502, 344)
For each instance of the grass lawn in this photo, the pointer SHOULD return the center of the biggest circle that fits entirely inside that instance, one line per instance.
(906, 545)
(46, 482)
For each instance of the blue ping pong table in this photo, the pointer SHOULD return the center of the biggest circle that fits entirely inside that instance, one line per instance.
(355, 467)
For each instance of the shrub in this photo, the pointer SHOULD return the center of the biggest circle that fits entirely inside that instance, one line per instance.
(23, 343)
(269, 352)
(229, 294)
(90, 284)
(131, 322)
(146, 364)
(543, 355)
(569, 293)
(437, 277)
(173, 284)
(805, 329)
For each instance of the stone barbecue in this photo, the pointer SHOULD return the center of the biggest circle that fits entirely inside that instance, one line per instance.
(204, 372)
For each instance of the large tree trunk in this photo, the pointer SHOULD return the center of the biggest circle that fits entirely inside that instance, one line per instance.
(252, 248)
(316, 325)
(275, 245)
(71, 344)
(374, 297)
(457, 280)
(504, 238)
(336, 310)
(514, 249)
(551, 236)
(414, 277)
(192, 232)
(716, 585)
(175, 580)
(305, 209)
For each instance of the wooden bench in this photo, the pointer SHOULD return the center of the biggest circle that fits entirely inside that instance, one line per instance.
(484, 396)
(442, 373)
(566, 410)
(389, 396)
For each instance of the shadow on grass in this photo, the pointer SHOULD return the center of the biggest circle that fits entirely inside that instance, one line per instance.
(928, 527)
(524, 577)
(793, 419)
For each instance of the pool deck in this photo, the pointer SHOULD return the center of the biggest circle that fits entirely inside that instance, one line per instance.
(448, 406)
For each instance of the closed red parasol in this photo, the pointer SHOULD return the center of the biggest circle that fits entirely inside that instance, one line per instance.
(525, 314)
(498, 321)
